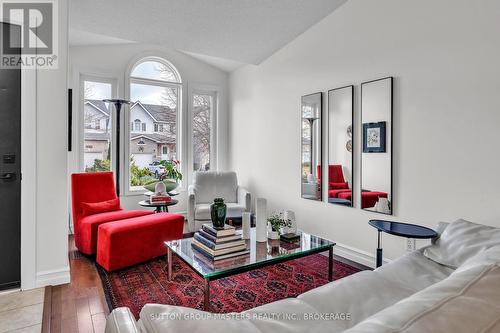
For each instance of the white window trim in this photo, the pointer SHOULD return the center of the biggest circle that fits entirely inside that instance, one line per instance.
(215, 91)
(125, 181)
(81, 115)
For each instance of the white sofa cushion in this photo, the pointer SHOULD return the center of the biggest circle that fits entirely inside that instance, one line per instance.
(385, 287)
(466, 301)
(415, 271)
(460, 241)
(156, 318)
(349, 295)
(488, 257)
(209, 185)
(202, 211)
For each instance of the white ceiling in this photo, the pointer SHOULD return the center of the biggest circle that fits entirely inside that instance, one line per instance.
(226, 65)
(79, 38)
(221, 32)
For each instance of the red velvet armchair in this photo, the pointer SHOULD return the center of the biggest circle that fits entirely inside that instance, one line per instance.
(94, 202)
(336, 181)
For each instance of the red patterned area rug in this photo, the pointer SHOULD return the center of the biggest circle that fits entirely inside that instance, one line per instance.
(147, 283)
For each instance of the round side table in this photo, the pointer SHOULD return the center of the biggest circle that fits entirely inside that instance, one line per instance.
(399, 229)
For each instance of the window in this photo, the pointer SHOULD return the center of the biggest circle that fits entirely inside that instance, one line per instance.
(137, 125)
(203, 106)
(95, 148)
(155, 90)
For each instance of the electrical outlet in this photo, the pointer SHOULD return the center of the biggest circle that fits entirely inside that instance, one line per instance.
(411, 244)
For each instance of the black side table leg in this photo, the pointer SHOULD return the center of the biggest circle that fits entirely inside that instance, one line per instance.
(379, 249)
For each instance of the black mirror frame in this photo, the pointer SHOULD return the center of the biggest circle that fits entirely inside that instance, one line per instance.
(321, 115)
(353, 140)
(391, 145)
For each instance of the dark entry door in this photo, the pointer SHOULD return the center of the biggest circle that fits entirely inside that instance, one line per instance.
(10, 174)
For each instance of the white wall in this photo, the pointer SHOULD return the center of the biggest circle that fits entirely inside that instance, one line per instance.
(50, 182)
(113, 61)
(444, 57)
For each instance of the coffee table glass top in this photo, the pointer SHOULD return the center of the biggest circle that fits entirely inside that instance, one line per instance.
(261, 254)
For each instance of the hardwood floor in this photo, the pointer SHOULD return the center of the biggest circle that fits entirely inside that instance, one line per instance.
(79, 306)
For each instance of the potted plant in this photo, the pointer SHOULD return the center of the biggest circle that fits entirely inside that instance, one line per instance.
(170, 178)
(275, 223)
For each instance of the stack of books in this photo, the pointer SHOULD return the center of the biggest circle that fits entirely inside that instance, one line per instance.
(219, 244)
(159, 198)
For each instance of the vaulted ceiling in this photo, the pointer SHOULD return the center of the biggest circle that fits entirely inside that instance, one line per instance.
(238, 31)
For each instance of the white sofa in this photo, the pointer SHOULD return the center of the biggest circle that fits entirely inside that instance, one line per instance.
(208, 185)
(461, 293)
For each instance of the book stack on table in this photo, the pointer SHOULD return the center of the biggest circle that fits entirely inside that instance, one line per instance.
(160, 198)
(219, 244)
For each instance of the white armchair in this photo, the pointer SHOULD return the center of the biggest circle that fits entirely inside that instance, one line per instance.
(207, 186)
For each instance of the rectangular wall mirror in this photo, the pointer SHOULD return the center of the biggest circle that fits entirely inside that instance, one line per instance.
(311, 146)
(340, 144)
(376, 150)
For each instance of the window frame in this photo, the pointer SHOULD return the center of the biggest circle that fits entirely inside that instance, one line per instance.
(215, 92)
(180, 117)
(81, 116)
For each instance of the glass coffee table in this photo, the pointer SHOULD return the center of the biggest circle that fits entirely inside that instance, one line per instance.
(261, 254)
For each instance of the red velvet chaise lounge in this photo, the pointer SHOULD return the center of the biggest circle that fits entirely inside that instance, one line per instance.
(339, 188)
(95, 205)
(336, 180)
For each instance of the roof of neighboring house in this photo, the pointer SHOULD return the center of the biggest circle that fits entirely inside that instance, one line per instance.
(160, 113)
(97, 104)
(156, 137)
(96, 136)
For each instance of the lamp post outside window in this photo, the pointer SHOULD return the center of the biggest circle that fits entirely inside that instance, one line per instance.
(118, 107)
(311, 142)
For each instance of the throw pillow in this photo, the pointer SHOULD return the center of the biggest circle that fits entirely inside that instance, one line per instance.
(100, 207)
(338, 186)
(460, 241)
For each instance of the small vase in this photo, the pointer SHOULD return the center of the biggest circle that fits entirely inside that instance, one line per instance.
(218, 213)
(261, 220)
(290, 215)
(382, 206)
(273, 234)
(160, 188)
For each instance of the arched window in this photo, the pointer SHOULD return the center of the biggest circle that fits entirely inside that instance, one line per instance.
(155, 92)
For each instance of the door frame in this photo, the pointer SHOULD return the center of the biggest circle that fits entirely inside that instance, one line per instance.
(29, 166)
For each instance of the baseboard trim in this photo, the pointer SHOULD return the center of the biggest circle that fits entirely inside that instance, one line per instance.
(357, 255)
(53, 277)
